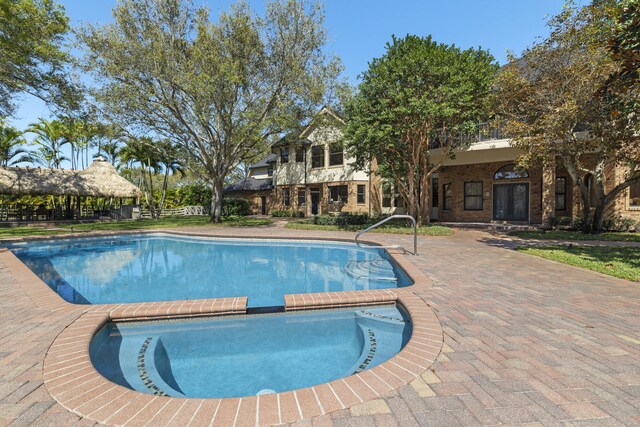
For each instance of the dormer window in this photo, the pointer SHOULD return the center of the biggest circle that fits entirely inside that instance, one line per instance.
(284, 155)
(270, 171)
(336, 155)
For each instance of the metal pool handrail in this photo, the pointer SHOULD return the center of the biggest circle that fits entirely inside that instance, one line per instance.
(415, 233)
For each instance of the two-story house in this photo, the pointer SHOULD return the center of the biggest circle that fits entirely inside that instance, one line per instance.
(310, 173)
(482, 184)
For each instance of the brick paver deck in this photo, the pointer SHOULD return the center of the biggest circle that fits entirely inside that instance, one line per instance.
(527, 341)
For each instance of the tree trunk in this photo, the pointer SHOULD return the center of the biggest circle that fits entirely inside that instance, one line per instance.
(216, 201)
(598, 219)
(425, 198)
(572, 170)
(598, 216)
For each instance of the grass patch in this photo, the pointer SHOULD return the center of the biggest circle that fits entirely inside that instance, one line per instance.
(426, 230)
(171, 222)
(577, 235)
(28, 231)
(622, 262)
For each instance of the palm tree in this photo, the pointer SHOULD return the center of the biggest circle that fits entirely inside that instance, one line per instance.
(11, 152)
(112, 152)
(138, 154)
(154, 157)
(168, 158)
(51, 136)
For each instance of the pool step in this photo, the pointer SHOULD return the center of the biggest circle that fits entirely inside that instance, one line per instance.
(380, 332)
(143, 375)
(374, 270)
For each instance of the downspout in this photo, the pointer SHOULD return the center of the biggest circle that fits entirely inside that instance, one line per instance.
(370, 191)
(307, 202)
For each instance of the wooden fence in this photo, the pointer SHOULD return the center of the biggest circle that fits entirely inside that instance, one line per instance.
(183, 211)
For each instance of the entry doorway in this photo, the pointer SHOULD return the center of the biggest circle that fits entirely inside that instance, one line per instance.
(315, 201)
(511, 202)
(263, 204)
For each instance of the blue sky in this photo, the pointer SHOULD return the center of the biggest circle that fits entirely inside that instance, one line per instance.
(359, 29)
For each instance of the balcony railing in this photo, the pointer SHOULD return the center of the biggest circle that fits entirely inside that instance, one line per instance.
(484, 132)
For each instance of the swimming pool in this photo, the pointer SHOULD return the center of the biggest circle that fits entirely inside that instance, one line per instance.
(163, 267)
(248, 355)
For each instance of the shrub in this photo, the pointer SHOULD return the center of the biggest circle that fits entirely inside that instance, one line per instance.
(236, 207)
(282, 214)
(348, 219)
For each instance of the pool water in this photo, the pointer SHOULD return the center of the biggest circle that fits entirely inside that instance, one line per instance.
(248, 355)
(161, 267)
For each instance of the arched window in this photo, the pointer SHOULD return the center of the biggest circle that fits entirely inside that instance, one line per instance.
(511, 171)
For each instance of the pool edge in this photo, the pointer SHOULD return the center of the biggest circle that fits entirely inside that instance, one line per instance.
(67, 374)
(72, 380)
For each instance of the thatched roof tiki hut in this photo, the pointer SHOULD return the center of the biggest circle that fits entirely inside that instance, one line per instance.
(100, 179)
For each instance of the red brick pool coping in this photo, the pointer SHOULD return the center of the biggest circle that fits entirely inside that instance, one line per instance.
(72, 380)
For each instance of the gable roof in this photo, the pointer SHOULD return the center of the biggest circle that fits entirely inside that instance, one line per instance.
(301, 137)
(327, 111)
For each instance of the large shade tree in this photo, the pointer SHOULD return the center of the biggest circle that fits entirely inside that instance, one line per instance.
(218, 89)
(420, 95)
(33, 59)
(552, 103)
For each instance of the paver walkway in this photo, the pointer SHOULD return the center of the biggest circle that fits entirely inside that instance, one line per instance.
(527, 341)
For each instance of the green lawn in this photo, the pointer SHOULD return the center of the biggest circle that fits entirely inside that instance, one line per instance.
(429, 230)
(187, 221)
(623, 262)
(577, 235)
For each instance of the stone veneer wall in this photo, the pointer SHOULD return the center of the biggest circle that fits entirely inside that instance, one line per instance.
(352, 204)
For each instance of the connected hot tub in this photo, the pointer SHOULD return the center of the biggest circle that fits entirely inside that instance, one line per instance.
(248, 355)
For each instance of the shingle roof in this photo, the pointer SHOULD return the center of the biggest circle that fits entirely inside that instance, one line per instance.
(250, 184)
(271, 158)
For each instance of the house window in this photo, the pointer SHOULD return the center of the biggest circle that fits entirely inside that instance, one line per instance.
(473, 196)
(398, 201)
(435, 197)
(511, 172)
(634, 195)
(299, 154)
(270, 172)
(317, 156)
(286, 197)
(336, 156)
(338, 193)
(302, 196)
(386, 194)
(561, 194)
(446, 202)
(284, 155)
(362, 198)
